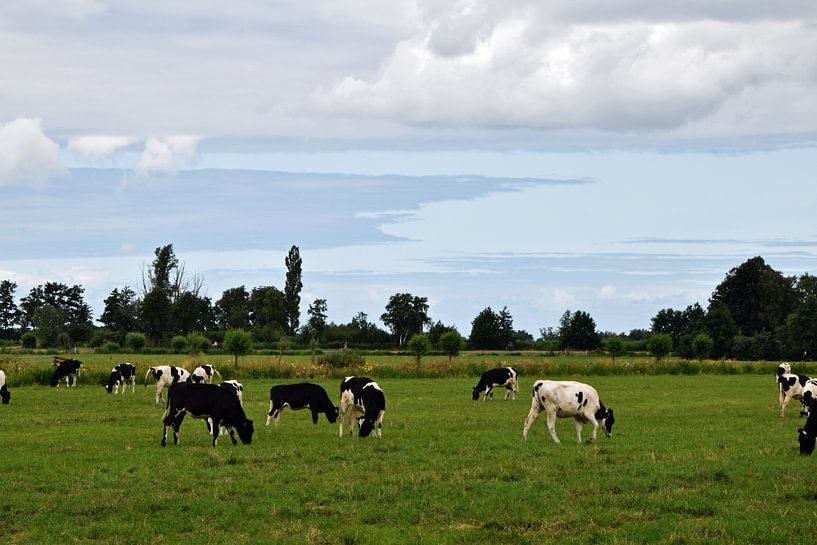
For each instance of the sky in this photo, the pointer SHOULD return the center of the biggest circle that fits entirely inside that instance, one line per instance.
(612, 157)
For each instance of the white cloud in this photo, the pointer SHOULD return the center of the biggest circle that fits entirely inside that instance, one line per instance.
(167, 155)
(98, 146)
(27, 155)
(517, 69)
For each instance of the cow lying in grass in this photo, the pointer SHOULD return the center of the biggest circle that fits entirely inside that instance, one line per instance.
(565, 399)
(206, 401)
(300, 396)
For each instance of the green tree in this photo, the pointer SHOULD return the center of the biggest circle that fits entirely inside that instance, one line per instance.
(190, 312)
(316, 324)
(801, 329)
(437, 330)
(578, 331)
(155, 315)
(48, 322)
(76, 313)
(702, 345)
(660, 345)
(268, 308)
(29, 340)
(759, 297)
(451, 342)
(237, 342)
(10, 314)
(614, 347)
(292, 289)
(197, 343)
(179, 344)
(284, 344)
(419, 345)
(233, 309)
(721, 327)
(405, 315)
(135, 341)
(486, 331)
(121, 312)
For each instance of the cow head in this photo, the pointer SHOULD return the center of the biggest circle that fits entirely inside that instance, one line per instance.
(366, 426)
(807, 442)
(115, 377)
(245, 431)
(332, 414)
(475, 395)
(783, 368)
(606, 420)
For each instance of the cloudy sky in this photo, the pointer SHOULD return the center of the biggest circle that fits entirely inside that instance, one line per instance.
(611, 157)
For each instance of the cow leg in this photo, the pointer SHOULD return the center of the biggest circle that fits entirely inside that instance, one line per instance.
(552, 424)
(177, 423)
(315, 415)
(595, 424)
(379, 429)
(270, 414)
(579, 431)
(535, 410)
(158, 393)
(784, 404)
(167, 420)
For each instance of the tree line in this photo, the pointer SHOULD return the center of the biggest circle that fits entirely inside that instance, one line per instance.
(754, 313)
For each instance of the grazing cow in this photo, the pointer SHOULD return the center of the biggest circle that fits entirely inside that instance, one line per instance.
(120, 376)
(166, 375)
(66, 369)
(807, 435)
(809, 393)
(565, 399)
(505, 376)
(791, 386)
(204, 373)
(5, 395)
(362, 395)
(236, 387)
(783, 369)
(300, 396)
(208, 402)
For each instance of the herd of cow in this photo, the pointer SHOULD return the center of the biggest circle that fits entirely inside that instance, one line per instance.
(362, 400)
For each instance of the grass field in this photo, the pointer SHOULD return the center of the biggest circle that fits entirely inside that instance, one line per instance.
(693, 459)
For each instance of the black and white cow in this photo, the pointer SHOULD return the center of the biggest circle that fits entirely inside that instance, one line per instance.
(207, 402)
(300, 396)
(362, 395)
(783, 369)
(790, 386)
(204, 373)
(807, 435)
(236, 387)
(66, 369)
(120, 376)
(566, 399)
(165, 376)
(504, 376)
(5, 395)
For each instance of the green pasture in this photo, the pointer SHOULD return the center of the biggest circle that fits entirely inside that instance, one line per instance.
(693, 459)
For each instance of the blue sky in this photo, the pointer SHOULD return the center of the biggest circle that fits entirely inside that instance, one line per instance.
(580, 156)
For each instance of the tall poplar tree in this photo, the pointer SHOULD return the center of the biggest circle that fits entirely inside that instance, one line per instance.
(292, 289)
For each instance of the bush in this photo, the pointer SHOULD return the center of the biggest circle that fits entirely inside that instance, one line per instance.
(29, 340)
(342, 358)
(109, 347)
(135, 341)
(179, 344)
(197, 343)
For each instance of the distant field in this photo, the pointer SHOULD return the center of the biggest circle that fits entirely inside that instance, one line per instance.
(693, 459)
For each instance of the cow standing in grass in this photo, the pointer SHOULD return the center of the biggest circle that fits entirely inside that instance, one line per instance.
(790, 387)
(120, 376)
(207, 402)
(165, 376)
(67, 370)
(300, 396)
(565, 399)
(371, 406)
(505, 376)
(5, 395)
(204, 374)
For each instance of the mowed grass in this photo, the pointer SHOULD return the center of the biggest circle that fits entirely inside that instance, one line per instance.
(699, 459)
